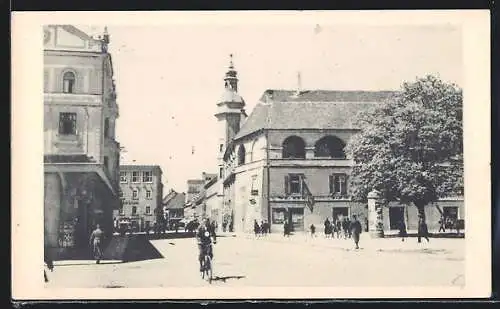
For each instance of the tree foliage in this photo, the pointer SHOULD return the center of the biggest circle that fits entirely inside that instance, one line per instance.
(411, 147)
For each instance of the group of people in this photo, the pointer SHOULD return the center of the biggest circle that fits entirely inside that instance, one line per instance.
(341, 228)
(261, 229)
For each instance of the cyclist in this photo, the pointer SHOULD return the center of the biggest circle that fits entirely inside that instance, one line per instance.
(204, 238)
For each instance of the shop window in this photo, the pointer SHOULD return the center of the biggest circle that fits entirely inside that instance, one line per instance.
(67, 123)
(136, 177)
(293, 184)
(278, 215)
(147, 176)
(396, 216)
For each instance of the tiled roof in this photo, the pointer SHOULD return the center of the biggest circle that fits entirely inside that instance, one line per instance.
(317, 109)
(176, 202)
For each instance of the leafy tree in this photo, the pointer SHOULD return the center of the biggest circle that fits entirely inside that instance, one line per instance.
(410, 148)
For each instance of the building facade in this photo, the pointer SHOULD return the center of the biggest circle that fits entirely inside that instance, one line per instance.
(272, 161)
(173, 206)
(81, 154)
(141, 191)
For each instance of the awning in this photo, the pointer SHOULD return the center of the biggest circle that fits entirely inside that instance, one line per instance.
(80, 168)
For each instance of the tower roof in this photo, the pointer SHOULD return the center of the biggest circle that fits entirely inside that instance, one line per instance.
(230, 96)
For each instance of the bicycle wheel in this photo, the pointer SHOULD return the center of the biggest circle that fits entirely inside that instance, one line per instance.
(208, 268)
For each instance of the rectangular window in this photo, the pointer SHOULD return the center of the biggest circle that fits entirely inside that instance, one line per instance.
(135, 177)
(147, 176)
(123, 177)
(293, 184)
(134, 210)
(148, 210)
(221, 147)
(149, 194)
(122, 211)
(450, 212)
(278, 215)
(254, 189)
(106, 162)
(67, 123)
(338, 184)
(135, 194)
(121, 194)
(221, 171)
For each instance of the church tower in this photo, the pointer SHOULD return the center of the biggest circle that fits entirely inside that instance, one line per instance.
(230, 112)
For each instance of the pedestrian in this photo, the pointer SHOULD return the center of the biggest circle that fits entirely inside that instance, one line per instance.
(256, 228)
(224, 225)
(313, 230)
(402, 230)
(355, 229)
(96, 242)
(327, 227)
(442, 224)
(339, 228)
(345, 227)
(423, 232)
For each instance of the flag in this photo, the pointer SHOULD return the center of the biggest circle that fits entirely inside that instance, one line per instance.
(306, 193)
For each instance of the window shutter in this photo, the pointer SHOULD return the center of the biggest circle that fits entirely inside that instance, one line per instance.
(344, 188)
(330, 179)
(287, 185)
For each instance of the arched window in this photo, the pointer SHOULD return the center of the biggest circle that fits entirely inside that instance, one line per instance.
(69, 82)
(331, 147)
(294, 148)
(241, 155)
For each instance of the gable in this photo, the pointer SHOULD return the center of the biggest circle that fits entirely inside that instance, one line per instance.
(67, 37)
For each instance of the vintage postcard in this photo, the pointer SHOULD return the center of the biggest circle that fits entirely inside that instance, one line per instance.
(251, 155)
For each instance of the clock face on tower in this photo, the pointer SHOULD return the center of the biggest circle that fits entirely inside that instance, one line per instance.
(46, 36)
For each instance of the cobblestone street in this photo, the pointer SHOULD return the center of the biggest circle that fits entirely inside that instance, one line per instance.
(276, 261)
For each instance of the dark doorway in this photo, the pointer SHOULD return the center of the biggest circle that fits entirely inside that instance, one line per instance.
(340, 213)
(296, 217)
(396, 215)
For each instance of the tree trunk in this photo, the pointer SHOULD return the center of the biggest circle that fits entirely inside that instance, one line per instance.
(421, 209)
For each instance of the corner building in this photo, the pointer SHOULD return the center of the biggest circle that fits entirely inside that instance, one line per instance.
(295, 139)
(81, 154)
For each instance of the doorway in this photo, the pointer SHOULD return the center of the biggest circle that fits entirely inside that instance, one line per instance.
(396, 215)
(296, 217)
(339, 213)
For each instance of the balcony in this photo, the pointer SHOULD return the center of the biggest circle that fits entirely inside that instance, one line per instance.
(313, 162)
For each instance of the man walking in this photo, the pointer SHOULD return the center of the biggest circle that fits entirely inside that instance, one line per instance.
(95, 243)
(422, 230)
(355, 230)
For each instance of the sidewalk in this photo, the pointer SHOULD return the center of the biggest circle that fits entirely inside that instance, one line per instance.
(390, 244)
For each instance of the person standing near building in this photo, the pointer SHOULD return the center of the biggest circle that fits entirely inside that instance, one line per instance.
(355, 229)
(442, 222)
(96, 242)
(327, 227)
(313, 230)
(256, 228)
(423, 232)
(402, 230)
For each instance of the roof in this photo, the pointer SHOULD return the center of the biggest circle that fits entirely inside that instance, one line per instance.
(315, 109)
(138, 167)
(177, 201)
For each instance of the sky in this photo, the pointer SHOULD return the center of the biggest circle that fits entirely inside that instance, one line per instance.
(169, 78)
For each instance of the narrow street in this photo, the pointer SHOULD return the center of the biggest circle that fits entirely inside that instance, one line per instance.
(275, 261)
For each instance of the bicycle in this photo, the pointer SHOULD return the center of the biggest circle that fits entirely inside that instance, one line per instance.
(206, 267)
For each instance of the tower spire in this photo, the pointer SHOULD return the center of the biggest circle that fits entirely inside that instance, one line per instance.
(231, 79)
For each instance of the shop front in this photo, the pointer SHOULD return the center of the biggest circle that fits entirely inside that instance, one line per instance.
(289, 213)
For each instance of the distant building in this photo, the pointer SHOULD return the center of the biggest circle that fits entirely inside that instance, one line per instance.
(173, 205)
(291, 149)
(141, 193)
(81, 153)
(196, 195)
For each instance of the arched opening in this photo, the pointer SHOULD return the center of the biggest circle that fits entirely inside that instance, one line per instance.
(330, 147)
(241, 155)
(294, 148)
(69, 79)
